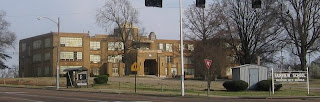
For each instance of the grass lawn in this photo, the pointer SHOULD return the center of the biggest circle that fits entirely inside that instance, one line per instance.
(171, 87)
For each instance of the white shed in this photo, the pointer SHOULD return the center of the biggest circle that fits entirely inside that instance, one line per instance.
(250, 73)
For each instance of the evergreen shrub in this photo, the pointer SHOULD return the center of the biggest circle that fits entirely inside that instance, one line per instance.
(265, 85)
(101, 79)
(235, 85)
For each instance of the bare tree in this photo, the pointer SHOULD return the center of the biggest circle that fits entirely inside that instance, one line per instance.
(201, 26)
(121, 15)
(252, 32)
(202, 23)
(7, 39)
(301, 21)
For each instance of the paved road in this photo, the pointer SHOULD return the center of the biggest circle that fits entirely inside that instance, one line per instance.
(8, 94)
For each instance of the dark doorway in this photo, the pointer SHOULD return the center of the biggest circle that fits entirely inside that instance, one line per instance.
(150, 67)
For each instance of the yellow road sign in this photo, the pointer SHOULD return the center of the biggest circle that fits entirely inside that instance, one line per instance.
(135, 67)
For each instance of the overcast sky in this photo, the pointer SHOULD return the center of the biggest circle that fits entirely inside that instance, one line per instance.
(79, 16)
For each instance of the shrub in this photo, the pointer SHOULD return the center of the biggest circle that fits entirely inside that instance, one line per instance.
(264, 85)
(235, 85)
(101, 79)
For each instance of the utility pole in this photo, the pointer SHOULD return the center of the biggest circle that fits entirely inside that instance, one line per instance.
(181, 50)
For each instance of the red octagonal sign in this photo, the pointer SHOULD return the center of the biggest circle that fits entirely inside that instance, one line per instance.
(208, 62)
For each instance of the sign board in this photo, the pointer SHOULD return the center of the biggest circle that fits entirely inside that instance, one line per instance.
(290, 76)
(82, 79)
(208, 62)
(135, 67)
(82, 83)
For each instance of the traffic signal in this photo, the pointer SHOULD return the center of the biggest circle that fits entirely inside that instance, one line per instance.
(201, 3)
(153, 3)
(256, 3)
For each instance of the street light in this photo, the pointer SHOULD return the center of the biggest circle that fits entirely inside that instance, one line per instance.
(58, 49)
(181, 49)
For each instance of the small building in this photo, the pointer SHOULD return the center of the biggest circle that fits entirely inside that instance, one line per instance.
(250, 73)
(77, 77)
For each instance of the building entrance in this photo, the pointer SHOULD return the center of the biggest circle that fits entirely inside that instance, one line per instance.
(150, 67)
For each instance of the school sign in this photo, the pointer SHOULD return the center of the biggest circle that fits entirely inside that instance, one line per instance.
(290, 76)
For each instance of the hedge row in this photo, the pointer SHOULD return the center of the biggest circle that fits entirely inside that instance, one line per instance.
(101, 79)
(240, 85)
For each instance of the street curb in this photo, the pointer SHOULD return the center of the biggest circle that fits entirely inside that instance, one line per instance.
(285, 97)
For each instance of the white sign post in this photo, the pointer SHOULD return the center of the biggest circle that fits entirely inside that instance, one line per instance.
(208, 64)
(272, 81)
(308, 81)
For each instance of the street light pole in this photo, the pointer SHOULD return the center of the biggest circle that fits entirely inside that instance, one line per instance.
(58, 50)
(181, 50)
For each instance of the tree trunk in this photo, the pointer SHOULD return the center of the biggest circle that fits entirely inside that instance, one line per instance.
(303, 59)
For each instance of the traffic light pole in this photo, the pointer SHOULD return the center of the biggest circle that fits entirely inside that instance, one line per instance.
(158, 3)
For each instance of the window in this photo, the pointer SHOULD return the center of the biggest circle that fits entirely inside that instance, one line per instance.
(94, 45)
(70, 42)
(95, 71)
(187, 60)
(47, 56)
(190, 47)
(114, 58)
(189, 71)
(23, 47)
(39, 71)
(115, 46)
(95, 58)
(47, 42)
(169, 47)
(115, 71)
(71, 56)
(37, 44)
(174, 72)
(77, 55)
(36, 57)
(160, 46)
(144, 46)
(67, 67)
(46, 70)
(169, 59)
